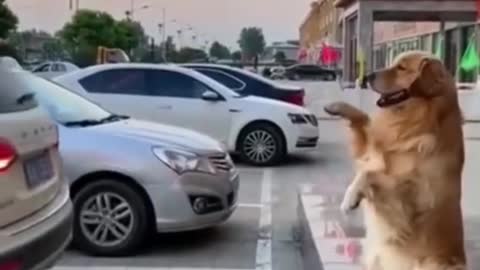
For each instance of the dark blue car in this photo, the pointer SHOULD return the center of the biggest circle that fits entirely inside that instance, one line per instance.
(249, 83)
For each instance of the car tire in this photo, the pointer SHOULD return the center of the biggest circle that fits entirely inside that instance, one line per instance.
(272, 139)
(330, 77)
(136, 223)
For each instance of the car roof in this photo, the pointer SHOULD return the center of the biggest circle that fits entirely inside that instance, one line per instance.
(102, 67)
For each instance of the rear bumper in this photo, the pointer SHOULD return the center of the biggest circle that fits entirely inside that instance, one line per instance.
(41, 245)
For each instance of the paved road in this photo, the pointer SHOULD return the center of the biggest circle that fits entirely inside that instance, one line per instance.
(264, 222)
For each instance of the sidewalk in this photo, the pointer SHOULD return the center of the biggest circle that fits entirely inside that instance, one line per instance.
(333, 241)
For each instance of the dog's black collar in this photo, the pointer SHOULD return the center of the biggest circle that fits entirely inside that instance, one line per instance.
(394, 98)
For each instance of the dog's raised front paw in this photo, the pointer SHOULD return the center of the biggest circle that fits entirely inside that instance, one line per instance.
(351, 200)
(338, 108)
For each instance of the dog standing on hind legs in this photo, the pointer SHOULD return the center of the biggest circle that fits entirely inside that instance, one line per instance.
(409, 159)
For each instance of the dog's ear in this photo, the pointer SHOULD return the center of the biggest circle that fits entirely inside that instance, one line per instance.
(431, 81)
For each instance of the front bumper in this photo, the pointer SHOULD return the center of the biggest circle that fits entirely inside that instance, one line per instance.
(174, 205)
(40, 245)
(302, 138)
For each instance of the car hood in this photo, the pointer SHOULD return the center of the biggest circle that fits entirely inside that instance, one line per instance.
(162, 135)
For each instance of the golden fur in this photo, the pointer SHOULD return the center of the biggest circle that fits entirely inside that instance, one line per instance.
(409, 161)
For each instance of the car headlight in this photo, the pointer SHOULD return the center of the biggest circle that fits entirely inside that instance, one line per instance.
(297, 118)
(182, 161)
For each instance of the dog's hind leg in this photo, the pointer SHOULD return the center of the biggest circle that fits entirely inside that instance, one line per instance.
(358, 121)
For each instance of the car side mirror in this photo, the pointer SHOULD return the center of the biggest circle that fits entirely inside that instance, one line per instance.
(210, 96)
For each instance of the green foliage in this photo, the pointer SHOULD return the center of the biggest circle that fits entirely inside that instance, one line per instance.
(8, 20)
(9, 50)
(280, 57)
(188, 54)
(237, 56)
(90, 29)
(219, 50)
(251, 41)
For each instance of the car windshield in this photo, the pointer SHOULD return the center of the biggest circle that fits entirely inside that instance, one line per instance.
(64, 106)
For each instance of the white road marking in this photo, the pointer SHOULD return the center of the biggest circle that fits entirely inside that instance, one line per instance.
(134, 268)
(250, 205)
(263, 259)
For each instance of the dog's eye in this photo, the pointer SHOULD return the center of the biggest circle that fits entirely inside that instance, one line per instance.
(401, 68)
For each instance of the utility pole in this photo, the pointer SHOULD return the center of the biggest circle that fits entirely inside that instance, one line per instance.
(132, 7)
(164, 32)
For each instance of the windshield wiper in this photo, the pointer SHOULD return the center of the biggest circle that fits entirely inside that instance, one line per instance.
(83, 123)
(93, 122)
(114, 117)
(24, 98)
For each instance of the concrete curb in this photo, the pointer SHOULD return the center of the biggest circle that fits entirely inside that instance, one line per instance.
(310, 255)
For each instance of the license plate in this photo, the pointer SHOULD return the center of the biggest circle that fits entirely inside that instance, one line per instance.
(38, 170)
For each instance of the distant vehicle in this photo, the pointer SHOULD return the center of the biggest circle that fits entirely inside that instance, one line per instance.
(261, 130)
(50, 70)
(131, 177)
(277, 73)
(249, 83)
(304, 71)
(35, 208)
(111, 55)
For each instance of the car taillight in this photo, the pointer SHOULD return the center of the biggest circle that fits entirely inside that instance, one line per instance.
(296, 99)
(11, 265)
(7, 155)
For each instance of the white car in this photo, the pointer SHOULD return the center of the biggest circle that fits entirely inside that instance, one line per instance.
(50, 70)
(261, 130)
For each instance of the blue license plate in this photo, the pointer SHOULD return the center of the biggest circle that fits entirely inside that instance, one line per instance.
(38, 170)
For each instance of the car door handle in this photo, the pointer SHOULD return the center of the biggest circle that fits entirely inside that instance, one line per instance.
(164, 107)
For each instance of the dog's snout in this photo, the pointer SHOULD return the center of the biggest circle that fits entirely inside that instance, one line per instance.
(366, 80)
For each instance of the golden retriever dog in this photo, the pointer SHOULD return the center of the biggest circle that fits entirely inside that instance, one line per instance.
(409, 160)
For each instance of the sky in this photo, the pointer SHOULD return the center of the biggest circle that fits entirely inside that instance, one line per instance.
(210, 20)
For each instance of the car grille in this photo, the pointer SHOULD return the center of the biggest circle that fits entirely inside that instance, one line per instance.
(222, 162)
(312, 119)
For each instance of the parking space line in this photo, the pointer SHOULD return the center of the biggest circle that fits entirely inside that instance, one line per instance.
(250, 205)
(263, 260)
(135, 268)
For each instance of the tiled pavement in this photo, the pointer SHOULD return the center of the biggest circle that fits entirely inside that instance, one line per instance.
(332, 241)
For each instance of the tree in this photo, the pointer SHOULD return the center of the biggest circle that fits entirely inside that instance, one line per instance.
(90, 29)
(237, 56)
(252, 41)
(8, 20)
(188, 54)
(280, 57)
(219, 51)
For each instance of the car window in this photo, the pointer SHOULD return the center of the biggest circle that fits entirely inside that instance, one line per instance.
(11, 93)
(58, 68)
(175, 84)
(63, 105)
(223, 78)
(43, 68)
(117, 81)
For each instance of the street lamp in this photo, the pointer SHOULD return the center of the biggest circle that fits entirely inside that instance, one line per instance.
(129, 13)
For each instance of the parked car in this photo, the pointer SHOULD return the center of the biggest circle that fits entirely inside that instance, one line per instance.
(130, 177)
(304, 71)
(249, 83)
(261, 130)
(35, 207)
(278, 73)
(50, 70)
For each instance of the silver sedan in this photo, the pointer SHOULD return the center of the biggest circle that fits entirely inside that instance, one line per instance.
(129, 176)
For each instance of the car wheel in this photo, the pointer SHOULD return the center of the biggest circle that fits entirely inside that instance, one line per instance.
(111, 219)
(296, 77)
(329, 77)
(261, 145)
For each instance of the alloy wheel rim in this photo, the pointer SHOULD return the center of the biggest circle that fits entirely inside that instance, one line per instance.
(259, 146)
(106, 219)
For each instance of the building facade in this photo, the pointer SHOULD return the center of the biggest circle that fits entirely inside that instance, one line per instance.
(392, 38)
(319, 28)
